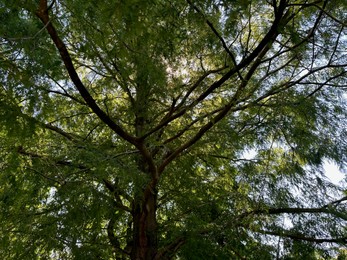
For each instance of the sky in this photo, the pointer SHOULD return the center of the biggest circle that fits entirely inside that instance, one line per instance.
(333, 173)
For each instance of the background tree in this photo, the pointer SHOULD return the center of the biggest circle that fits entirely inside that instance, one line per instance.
(172, 129)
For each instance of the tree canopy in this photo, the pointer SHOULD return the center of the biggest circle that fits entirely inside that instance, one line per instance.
(159, 129)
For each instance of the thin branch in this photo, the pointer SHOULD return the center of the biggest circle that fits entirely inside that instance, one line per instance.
(302, 237)
(229, 158)
(58, 130)
(22, 151)
(112, 238)
(170, 248)
(188, 126)
(336, 44)
(170, 117)
(66, 95)
(197, 83)
(28, 37)
(214, 30)
(116, 192)
(326, 209)
(290, 84)
(330, 15)
(46, 177)
(337, 202)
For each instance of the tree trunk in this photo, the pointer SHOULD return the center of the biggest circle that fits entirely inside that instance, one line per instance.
(145, 237)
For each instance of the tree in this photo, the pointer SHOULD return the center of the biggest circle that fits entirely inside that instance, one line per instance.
(172, 129)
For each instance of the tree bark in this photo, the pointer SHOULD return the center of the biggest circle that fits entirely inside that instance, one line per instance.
(145, 235)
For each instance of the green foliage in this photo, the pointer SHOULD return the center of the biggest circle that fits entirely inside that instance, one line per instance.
(224, 111)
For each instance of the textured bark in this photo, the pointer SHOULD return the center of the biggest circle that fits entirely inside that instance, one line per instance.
(145, 239)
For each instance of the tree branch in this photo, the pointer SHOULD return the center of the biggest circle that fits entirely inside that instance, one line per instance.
(326, 209)
(170, 248)
(112, 238)
(169, 117)
(302, 237)
(42, 14)
(115, 191)
(226, 109)
(280, 20)
(214, 30)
